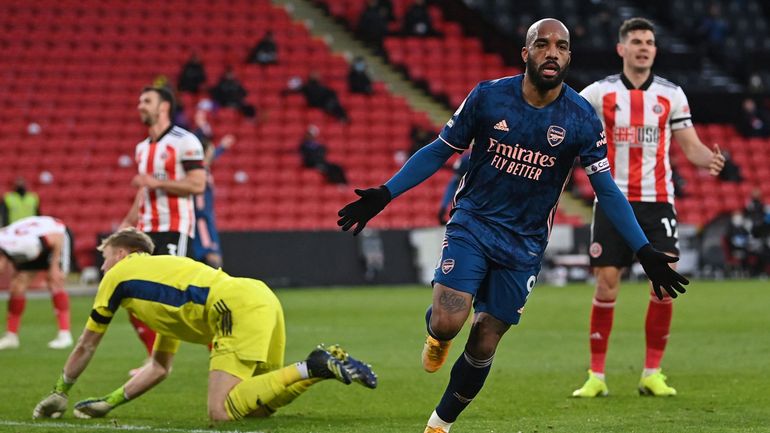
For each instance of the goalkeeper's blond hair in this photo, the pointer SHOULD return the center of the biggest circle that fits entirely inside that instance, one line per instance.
(130, 239)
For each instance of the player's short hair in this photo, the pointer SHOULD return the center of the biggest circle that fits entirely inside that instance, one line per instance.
(129, 238)
(635, 23)
(165, 95)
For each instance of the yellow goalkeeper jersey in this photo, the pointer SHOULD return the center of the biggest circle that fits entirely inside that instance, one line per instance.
(172, 295)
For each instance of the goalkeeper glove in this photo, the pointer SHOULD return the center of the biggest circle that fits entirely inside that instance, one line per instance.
(99, 407)
(55, 404)
(372, 202)
(655, 265)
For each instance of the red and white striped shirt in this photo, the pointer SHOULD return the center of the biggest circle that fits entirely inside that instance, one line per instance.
(166, 159)
(21, 240)
(639, 123)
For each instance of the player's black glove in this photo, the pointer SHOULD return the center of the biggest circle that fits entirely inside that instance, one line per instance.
(372, 202)
(655, 265)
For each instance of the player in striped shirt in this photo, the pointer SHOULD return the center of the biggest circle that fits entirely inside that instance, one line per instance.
(31, 245)
(640, 112)
(171, 171)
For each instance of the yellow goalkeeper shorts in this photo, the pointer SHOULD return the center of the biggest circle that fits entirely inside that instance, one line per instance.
(250, 336)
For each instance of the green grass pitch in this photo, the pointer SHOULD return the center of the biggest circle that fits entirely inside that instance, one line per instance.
(718, 359)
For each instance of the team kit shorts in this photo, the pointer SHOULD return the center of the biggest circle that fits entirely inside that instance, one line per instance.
(251, 335)
(171, 243)
(43, 261)
(497, 290)
(609, 248)
(206, 237)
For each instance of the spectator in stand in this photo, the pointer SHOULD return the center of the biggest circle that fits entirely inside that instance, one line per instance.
(19, 203)
(419, 135)
(737, 240)
(313, 154)
(417, 20)
(386, 6)
(731, 172)
(318, 95)
(758, 216)
(755, 86)
(755, 208)
(192, 76)
(265, 52)
(358, 77)
(229, 92)
(373, 26)
(753, 120)
(712, 32)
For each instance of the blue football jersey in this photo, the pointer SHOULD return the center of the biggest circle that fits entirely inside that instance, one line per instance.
(521, 159)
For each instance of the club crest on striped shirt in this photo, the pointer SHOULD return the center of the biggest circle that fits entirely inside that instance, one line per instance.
(555, 135)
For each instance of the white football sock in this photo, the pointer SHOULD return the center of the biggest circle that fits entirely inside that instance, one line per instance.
(436, 421)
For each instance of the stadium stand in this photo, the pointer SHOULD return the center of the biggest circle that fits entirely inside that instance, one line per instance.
(706, 197)
(418, 57)
(75, 68)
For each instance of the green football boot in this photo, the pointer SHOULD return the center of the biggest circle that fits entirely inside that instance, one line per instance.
(594, 387)
(655, 385)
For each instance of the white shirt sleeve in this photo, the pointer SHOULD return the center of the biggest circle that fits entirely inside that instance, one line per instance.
(681, 117)
(592, 94)
(191, 149)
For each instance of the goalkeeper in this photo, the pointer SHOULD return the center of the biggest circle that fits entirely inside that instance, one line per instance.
(182, 299)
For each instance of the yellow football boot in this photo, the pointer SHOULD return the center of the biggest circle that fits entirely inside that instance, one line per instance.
(594, 387)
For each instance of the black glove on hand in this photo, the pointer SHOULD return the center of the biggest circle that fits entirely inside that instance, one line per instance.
(655, 265)
(372, 202)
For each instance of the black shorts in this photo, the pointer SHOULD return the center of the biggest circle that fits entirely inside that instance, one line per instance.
(43, 261)
(171, 243)
(608, 248)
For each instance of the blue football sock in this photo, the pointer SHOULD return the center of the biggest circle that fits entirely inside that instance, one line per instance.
(465, 381)
(428, 312)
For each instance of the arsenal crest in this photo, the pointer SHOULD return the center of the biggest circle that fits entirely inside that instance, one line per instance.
(555, 135)
(447, 266)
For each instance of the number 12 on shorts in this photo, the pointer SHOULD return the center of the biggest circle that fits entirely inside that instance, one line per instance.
(670, 225)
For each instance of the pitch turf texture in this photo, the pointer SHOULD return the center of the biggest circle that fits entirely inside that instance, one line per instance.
(718, 359)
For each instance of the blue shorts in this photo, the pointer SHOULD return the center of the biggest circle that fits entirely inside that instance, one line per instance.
(497, 290)
(206, 239)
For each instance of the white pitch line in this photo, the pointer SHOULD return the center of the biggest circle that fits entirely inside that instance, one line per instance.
(45, 424)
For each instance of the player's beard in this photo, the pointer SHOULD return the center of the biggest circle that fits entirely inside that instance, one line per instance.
(542, 83)
(148, 118)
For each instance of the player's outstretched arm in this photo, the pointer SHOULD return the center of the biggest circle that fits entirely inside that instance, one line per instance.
(654, 262)
(55, 404)
(150, 375)
(373, 200)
